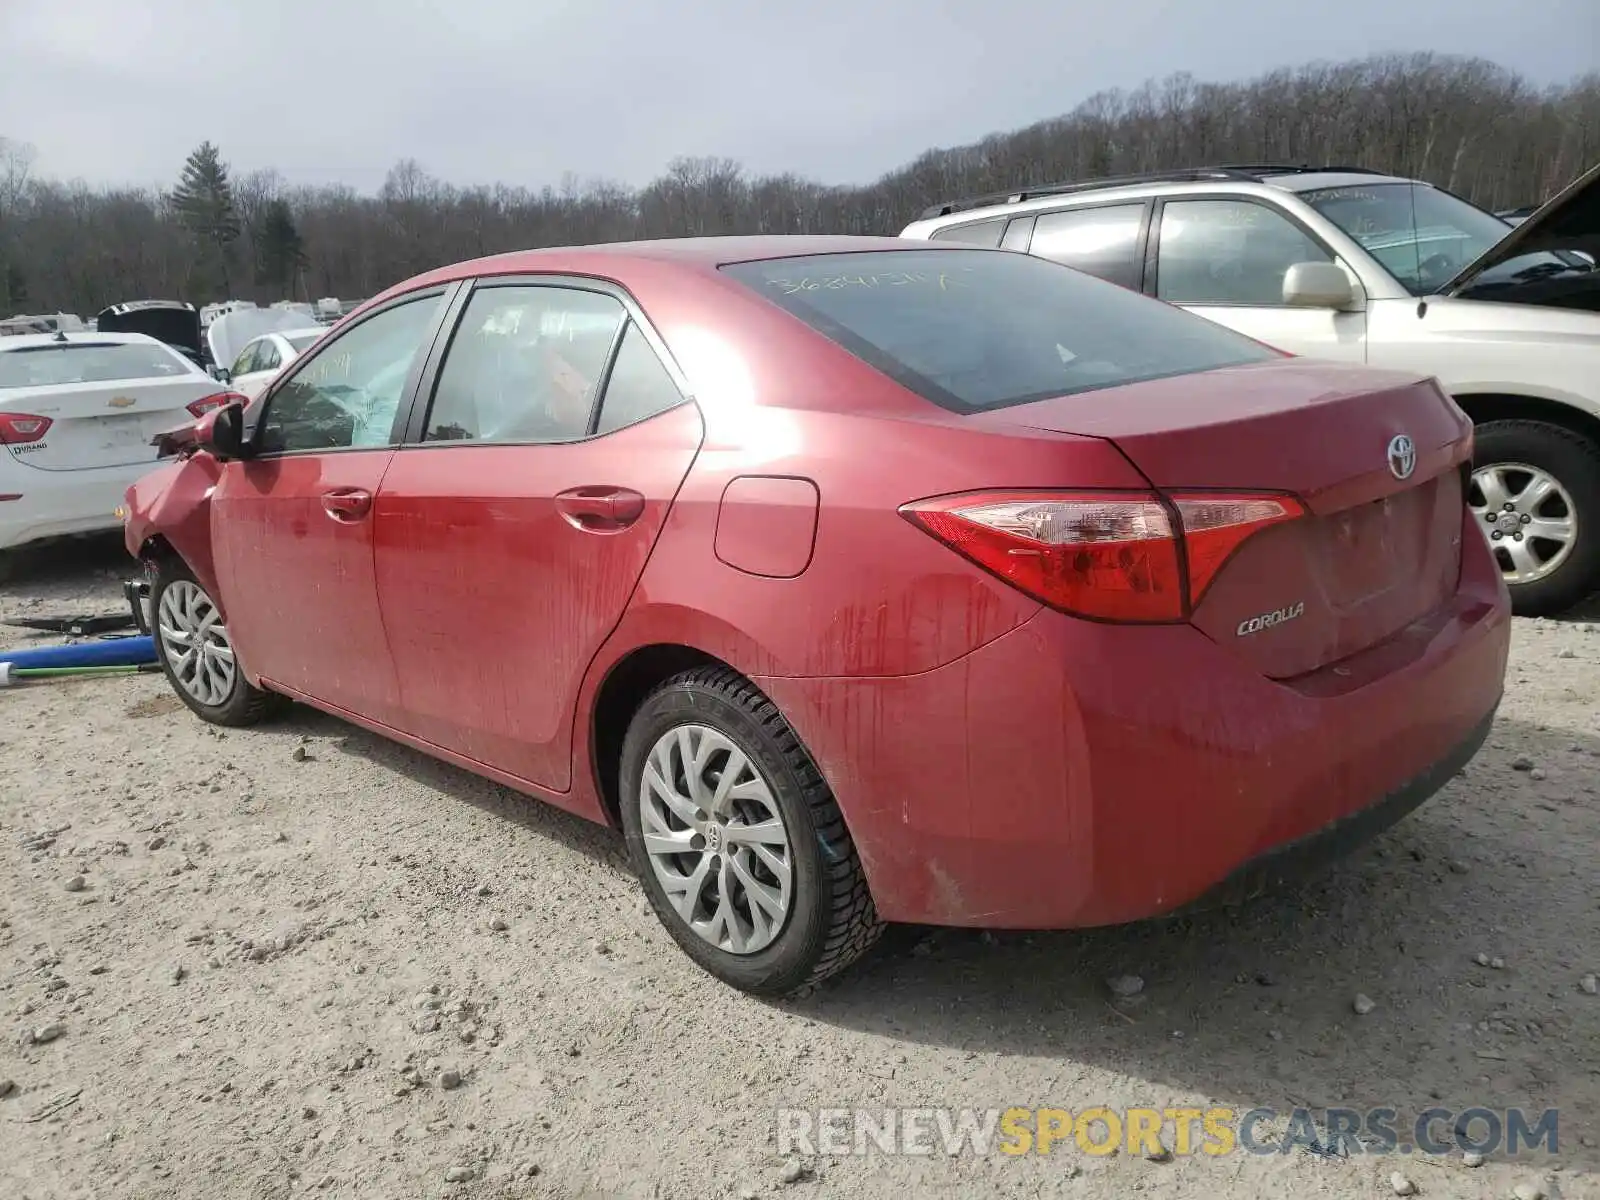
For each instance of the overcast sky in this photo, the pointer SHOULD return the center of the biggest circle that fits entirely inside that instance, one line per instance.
(119, 91)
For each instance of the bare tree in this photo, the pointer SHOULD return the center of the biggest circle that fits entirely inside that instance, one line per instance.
(1466, 124)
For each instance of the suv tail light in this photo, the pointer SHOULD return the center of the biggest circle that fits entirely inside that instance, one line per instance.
(1109, 556)
(205, 404)
(18, 429)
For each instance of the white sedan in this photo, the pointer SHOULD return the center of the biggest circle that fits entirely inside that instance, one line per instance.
(262, 358)
(78, 412)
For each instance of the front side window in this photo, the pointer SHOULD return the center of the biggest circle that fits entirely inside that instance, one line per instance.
(67, 363)
(246, 362)
(971, 330)
(348, 395)
(1425, 237)
(267, 356)
(1228, 252)
(525, 365)
(1102, 241)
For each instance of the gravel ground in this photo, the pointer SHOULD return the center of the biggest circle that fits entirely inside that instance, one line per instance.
(299, 957)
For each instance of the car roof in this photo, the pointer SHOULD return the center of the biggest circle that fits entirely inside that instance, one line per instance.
(626, 262)
(1257, 179)
(1311, 181)
(706, 253)
(78, 337)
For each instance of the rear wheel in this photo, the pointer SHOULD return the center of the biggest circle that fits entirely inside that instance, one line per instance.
(196, 653)
(737, 839)
(1536, 496)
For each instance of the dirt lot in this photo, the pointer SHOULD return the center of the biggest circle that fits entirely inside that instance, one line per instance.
(288, 942)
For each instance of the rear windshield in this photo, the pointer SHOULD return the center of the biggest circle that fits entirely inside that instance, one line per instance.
(973, 330)
(86, 362)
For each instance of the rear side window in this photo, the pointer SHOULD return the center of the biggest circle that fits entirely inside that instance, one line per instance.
(639, 385)
(87, 362)
(978, 233)
(971, 331)
(1103, 241)
(525, 365)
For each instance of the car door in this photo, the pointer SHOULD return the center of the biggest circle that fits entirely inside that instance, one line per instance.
(544, 453)
(292, 524)
(1225, 258)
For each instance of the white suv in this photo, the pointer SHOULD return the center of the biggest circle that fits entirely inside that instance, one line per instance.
(1343, 263)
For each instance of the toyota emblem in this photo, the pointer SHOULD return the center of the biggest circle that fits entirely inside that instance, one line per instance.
(1402, 456)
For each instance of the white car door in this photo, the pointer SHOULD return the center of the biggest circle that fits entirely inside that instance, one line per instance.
(1225, 258)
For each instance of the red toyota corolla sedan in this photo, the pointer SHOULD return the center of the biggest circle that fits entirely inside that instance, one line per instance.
(857, 580)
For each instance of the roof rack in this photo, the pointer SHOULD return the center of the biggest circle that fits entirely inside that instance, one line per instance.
(1250, 172)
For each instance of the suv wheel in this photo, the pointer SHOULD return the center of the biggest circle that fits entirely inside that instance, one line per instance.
(737, 840)
(1536, 495)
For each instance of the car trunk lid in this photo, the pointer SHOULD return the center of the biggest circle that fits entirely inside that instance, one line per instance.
(171, 321)
(1372, 552)
(96, 425)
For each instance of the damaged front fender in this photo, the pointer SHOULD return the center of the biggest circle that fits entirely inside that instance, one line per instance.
(170, 508)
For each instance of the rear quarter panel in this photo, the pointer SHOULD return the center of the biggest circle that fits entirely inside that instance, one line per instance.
(879, 597)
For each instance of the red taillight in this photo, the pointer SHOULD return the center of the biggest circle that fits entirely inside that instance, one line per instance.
(1110, 556)
(1217, 524)
(18, 429)
(205, 404)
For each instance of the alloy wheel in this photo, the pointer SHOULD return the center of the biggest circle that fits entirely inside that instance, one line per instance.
(716, 839)
(195, 642)
(1529, 518)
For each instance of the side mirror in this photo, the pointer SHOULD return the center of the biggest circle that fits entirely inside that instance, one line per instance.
(1319, 285)
(220, 374)
(220, 433)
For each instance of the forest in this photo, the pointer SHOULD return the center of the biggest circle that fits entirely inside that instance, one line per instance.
(1465, 124)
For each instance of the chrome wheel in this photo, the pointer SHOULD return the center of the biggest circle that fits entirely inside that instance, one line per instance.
(195, 643)
(1529, 518)
(716, 839)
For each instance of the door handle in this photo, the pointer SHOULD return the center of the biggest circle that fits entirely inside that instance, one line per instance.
(347, 504)
(601, 509)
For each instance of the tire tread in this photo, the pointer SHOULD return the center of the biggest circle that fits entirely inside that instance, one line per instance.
(853, 925)
(1580, 576)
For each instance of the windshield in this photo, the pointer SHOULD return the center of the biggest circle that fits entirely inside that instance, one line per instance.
(1424, 237)
(87, 362)
(981, 329)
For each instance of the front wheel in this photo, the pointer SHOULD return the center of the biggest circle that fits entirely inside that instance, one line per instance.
(737, 839)
(196, 652)
(1536, 496)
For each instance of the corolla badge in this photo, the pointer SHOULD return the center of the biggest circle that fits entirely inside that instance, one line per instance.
(1271, 620)
(1402, 456)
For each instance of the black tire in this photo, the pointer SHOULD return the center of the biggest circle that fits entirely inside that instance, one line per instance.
(16, 562)
(244, 704)
(1574, 461)
(831, 920)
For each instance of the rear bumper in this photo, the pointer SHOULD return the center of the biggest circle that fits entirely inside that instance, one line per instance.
(1305, 856)
(61, 503)
(1070, 774)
